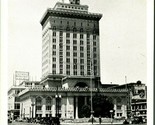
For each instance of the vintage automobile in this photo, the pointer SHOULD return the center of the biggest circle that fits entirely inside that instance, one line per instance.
(137, 120)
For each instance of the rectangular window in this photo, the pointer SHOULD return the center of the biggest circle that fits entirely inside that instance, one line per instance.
(68, 60)
(54, 52)
(74, 35)
(94, 55)
(81, 55)
(61, 71)
(54, 59)
(67, 53)
(81, 48)
(54, 40)
(67, 35)
(67, 41)
(48, 107)
(94, 37)
(54, 33)
(75, 66)
(94, 49)
(54, 65)
(54, 71)
(74, 54)
(38, 107)
(81, 42)
(61, 53)
(81, 36)
(54, 46)
(61, 40)
(75, 72)
(82, 61)
(75, 61)
(82, 67)
(74, 41)
(67, 67)
(67, 47)
(82, 72)
(74, 47)
(61, 33)
(68, 72)
(94, 43)
(88, 36)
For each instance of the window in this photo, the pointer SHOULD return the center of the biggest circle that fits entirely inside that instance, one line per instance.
(81, 61)
(17, 106)
(54, 71)
(67, 67)
(82, 67)
(82, 72)
(54, 65)
(94, 37)
(74, 41)
(95, 61)
(54, 33)
(67, 53)
(81, 36)
(75, 66)
(61, 71)
(81, 42)
(88, 36)
(38, 103)
(54, 52)
(68, 60)
(67, 47)
(54, 59)
(75, 61)
(94, 43)
(48, 103)
(67, 35)
(61, 33)
(61, 40)
(74, 23)
(54, 46)
(94, 49)
(74, 54)
(81, 48)
(81, 55)
(74, 35)
(75, 72)
(60, 53)
(74, 47)
(54, 40)
(67, 41)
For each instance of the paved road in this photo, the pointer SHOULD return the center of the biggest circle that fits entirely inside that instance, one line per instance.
(23, 123)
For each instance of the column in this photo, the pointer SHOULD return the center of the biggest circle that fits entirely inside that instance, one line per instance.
(44, 107)
(53, 107)
(76, 110)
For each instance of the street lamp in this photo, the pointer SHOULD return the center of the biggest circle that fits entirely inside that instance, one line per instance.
(32, 108)
(111, 112)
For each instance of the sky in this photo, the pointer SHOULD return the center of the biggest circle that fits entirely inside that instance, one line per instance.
(123, 43)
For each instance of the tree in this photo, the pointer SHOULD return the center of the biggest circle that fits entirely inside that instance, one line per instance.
(85, 111)
(102, 106)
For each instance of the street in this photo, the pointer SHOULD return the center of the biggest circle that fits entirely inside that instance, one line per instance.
(24, 123)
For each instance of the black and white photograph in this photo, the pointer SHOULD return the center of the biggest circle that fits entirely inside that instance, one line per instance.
(77, 62)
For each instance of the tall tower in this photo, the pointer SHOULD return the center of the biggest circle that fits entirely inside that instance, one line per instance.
(70, 41)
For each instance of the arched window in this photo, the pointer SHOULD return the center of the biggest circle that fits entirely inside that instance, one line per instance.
(74, 29)
(38, 103)
(48, 103)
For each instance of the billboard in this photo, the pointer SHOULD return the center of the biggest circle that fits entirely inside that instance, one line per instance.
(20, 75)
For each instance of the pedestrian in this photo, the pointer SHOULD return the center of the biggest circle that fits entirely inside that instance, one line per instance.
(100, 119)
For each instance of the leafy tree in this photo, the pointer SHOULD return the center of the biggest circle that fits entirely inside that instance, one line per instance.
(102, 106)
(85, 111)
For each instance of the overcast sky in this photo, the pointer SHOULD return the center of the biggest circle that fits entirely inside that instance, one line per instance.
(122, 38)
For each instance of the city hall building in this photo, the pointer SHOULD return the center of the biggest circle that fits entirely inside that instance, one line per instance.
(70, 66)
